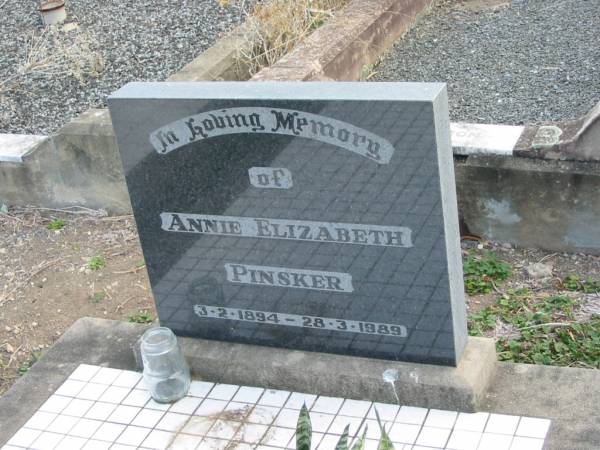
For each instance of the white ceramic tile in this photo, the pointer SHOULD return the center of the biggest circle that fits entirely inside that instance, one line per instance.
(471, 421)
(198, 425)
(40, 420)
(404, 433)
(223, 391)
(264, 415)
(84, 372)
(387, 412)
(47, 441)
(412, 415)
(158, 440)
(355, 408)
(373, 429)
(339, 424)
(100, 411)
(297, 399)
(223, 429)
(106, 375)
(186, 442)
(78, 407)
(133, 435)
(108, 431)
(328, 442)
(200, 388)
(72, 443)
(492, 441)
(123, 414)
(532, 427)
(502, 424)
(122, 447)
(70, 388)
(85, 428)
(247, 394)
(147, 418)
(92, 391)
(210, 407)
(278, 437)
(24, 437)
(440, 418)
(321, 421)
(314, 442)
(55, 404)
(10, 447)
(237, 411)
(464, 440)
(329, 405)
(213, 444)
(114, 394)
(62, 424)
(272, 397)
(127, 379)
(95, 444)
(172, 422)
(136, 397)
(187, 405)
(153, 404)
(433, 437)
(526, 443)
(373, 444)
(251, 433)
(287, 418)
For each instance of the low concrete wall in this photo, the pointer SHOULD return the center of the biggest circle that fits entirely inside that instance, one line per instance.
(554, 205)
(78, 166)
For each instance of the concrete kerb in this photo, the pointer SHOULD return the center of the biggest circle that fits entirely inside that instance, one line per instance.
(351, 41)
(567, 396)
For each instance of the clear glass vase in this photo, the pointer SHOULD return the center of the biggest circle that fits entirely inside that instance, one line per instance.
(166, 372)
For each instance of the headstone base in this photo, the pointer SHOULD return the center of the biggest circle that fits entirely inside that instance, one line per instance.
(458, 388)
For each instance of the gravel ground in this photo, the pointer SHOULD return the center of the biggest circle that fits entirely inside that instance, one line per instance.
(512, 62)
(112, 42)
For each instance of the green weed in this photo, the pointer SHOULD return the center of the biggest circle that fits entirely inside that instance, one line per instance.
(98, 297)
(96, 263)
(26, 365)
(567, 344)
(56, 225)
(141, 316)
(575, 283)
(480, 273)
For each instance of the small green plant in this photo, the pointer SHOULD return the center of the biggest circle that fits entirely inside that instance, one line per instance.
(575, 283)
(97, 297)
(142, 316)
(558, 344)
(26, 365)
(484, 320)
(56, 224)
(304, 435)
(480, 273)
(96, 263)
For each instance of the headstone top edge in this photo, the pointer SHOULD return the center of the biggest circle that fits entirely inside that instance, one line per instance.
(332, 91)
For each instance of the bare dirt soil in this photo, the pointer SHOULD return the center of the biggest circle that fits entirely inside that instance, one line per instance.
(93, 266)
(48, 281)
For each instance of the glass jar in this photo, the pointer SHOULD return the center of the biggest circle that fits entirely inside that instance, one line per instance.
(166, 372)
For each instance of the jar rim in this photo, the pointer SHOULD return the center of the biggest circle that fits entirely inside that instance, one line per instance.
(168, 338)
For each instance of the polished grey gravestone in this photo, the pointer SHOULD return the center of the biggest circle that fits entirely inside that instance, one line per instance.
(312, 216)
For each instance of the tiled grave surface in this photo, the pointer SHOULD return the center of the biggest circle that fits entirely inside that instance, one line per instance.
(104, 408)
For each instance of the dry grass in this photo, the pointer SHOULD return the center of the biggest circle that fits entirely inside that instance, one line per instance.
(279, 25)
(56, 52)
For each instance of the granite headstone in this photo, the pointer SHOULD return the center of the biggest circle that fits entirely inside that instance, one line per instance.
(312, 216)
